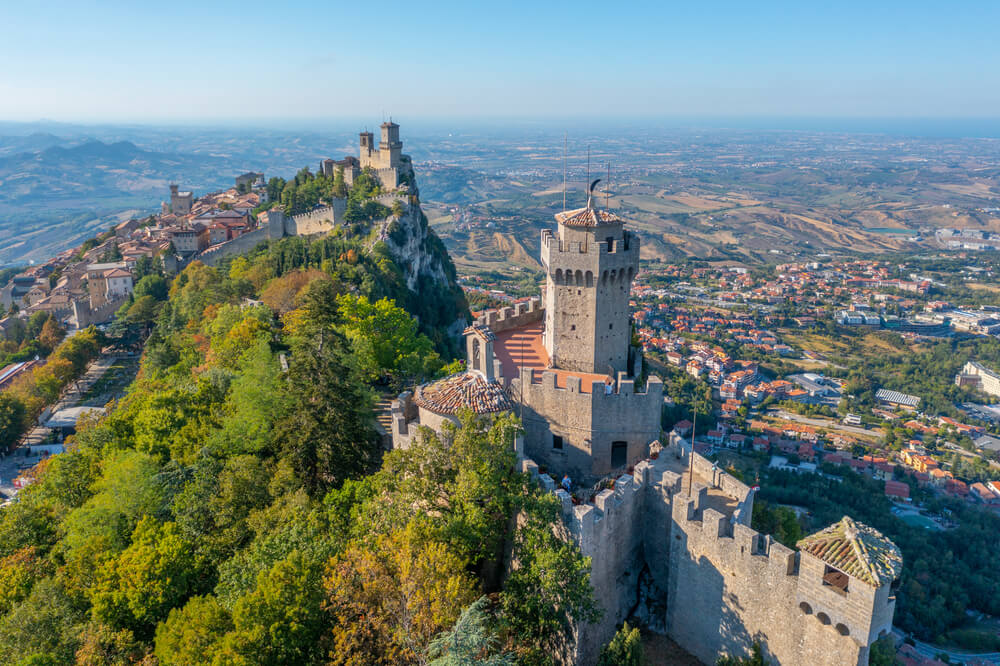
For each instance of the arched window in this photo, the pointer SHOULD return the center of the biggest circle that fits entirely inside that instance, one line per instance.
(590, 279)
(631, 273)
(579, 278)
(604, 278)
(475, 354)
(559, 276)
(843, 630)
(613, 276)
(823, 618)
(806, 608)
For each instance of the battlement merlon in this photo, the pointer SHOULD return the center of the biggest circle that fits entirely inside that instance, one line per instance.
(504, 319)
(574, 385)
(596, 256)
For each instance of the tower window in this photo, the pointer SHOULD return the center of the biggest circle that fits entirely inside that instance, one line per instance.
(835, 579)
(572, 327)
(557, 442)
(610, 326)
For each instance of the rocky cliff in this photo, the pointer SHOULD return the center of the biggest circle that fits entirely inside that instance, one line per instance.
(435, 297)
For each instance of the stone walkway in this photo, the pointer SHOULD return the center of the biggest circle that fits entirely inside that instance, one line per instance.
(74, 395)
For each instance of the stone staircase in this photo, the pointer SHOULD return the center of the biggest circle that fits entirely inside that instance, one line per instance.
(383, 419)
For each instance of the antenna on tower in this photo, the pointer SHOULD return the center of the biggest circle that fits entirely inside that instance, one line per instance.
(588, 174)
(565, 146)
(607, 189)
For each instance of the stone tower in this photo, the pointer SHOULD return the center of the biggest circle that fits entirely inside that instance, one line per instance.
(391, 148)
(367, 148)
(589, 266)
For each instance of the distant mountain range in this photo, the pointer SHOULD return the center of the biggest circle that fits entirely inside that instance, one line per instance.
(94, 171)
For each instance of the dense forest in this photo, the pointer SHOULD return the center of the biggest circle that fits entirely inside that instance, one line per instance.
(235, 507)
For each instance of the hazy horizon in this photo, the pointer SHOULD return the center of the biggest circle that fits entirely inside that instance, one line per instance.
(226, 61)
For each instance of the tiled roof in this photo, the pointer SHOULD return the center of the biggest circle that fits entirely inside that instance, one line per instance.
(483, 331)
(465, 389)
(587, 217)
(857, 550)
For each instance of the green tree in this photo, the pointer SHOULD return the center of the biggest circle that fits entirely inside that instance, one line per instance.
(151, 285)
(280, 622)
(385, 340)
(12, 419)
(191, 634)
(154, 574)
(47, 623)
(470, 642)
(549, 592)
(328, 436)
(625, 649)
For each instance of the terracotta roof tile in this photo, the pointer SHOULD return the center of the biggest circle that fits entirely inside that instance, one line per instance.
(860, 551)
(587, 217)
(463, 390)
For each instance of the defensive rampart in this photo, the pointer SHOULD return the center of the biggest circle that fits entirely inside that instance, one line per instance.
(521, 314)
(239, 245)
(593, 426)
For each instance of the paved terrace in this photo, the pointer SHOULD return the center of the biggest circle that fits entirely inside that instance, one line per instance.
(522, 348)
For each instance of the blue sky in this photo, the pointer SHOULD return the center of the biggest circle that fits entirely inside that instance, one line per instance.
(194, 61)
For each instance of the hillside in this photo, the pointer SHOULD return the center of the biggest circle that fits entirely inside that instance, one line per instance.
(236, 506)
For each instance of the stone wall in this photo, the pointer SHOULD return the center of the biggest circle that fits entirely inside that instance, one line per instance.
(589, 423)
(239, 245)
(319, 221)
(719, 586)
(521, 314)
(730, 587)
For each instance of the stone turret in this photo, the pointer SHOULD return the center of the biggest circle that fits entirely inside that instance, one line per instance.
(846, 573)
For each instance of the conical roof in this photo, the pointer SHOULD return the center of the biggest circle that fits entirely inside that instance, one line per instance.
(463, 390)
(858, 550)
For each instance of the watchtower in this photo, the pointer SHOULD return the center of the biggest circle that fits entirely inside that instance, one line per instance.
(589, 266)
(390, 148)
(846, 572)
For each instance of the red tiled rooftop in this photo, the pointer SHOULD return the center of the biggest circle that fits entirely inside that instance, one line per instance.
(522, 347)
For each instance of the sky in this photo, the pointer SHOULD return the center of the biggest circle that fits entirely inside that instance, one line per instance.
(189, 62)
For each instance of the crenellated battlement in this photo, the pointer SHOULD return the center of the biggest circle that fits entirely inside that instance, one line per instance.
(596, 256)
(548, 380)
(521, 314)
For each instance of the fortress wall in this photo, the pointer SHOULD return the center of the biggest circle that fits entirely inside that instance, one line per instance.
(238, 245)
(389, 198)
(719, 478)
(321, 220)
(729, 590)
(610, 533)
(548, 410)
(588, 422)
(517, 316)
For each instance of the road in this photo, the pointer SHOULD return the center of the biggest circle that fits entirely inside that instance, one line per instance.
(824, 423)
(932, 651)
(13, 464)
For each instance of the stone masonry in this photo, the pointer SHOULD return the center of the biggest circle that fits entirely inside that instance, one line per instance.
(670, 544)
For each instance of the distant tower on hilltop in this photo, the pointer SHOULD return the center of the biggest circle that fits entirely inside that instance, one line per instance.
(368, 155)
(180, 202)
(390, 146)
(589, 267)
(387, 161)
